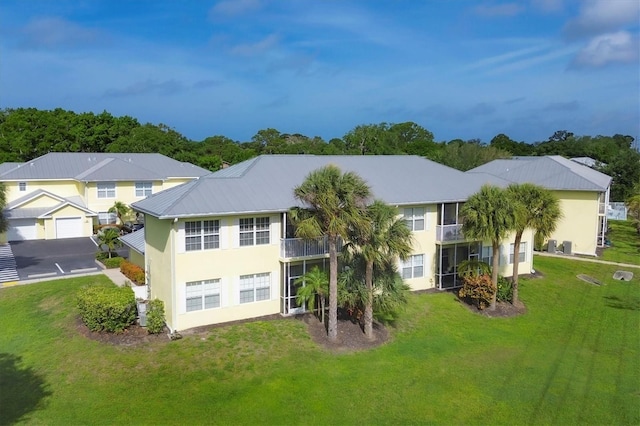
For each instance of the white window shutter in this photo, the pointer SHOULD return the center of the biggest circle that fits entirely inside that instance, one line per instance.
(224, 293)
(180, 241)
(274, 230)
(181, 298)
(235, 290)
(274, 285)
(224, 234)
(235, 232)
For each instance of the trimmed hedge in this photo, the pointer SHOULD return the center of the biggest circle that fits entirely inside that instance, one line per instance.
(133, 272)
(113, 263)
(155, 316)
(111, 309)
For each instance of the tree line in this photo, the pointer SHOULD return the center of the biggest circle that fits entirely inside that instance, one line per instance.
(27, 133)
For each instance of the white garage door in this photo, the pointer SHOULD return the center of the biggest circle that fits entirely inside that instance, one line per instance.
(69, 227)
(21, 229)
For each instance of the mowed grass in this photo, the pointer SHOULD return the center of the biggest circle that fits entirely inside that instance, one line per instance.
(625, 243)
(573, 358)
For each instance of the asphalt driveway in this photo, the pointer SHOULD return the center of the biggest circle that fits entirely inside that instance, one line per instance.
(50, 258)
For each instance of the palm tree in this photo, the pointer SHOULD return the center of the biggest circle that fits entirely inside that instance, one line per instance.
(120, 209)
(4, 224)
(540, 211)
(633, 209)
(386, 238)
(109, 238)
(490, 214)
(314, 284)
(336, 203)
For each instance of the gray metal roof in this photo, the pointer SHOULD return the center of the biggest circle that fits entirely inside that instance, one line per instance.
(266, 183)
(5, 167)
(552, 172)
(135, 240)
(93, 167)
(14, 211)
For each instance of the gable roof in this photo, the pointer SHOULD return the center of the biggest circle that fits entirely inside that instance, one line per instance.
(266, 183)
(14, 210)
(551, 171)
(92, 167)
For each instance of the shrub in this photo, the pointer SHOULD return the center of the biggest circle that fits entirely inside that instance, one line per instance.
(114, 262)
(109, 309)
(478, 290)
(133, 272)
(505, 290)
(155, 316)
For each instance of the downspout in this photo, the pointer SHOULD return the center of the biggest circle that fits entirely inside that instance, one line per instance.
(174, 289)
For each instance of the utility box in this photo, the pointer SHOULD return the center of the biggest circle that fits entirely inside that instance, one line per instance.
(142, 314)
(551, 246)
(566, 247)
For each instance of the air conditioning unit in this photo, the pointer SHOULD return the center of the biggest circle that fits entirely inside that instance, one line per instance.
(551, 246)
(566, 247)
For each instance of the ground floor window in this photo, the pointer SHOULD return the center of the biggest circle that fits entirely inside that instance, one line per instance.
(522, 253)
(203, 295)
(413, 267)
(107, 218)
(255, 287)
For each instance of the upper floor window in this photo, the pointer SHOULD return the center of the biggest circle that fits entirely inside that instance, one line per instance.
(414, 218)
(254, 231)
(144, 189)
(202, 235)
(106, 190)
(413, 267)
(522, 253)
(203, 295)
(255, 287)
(22, 186)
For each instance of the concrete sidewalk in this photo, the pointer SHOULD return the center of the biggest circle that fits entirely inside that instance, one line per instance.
(116, 276)
(585, 259)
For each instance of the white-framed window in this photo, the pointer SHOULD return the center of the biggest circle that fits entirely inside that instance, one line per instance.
(254, 231)
(107, 218)
(203, 295)
(106, 190)
(22, 186)
(487, 255)
(202, 235)
(413, 267)
(522, 252)
(255, 287)
(414, 218)
(144, 189)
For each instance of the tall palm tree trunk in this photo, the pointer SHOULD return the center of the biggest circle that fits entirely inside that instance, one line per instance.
(516, 266)
(495, 264)
(368, 307)
(333, 289)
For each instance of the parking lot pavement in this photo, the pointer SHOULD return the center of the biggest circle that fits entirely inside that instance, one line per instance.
(38, 259)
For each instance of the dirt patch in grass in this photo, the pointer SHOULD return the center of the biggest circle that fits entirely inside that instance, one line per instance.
(134, 335)
(502, 310)
(351, 336)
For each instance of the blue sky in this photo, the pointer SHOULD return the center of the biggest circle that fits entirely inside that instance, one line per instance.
(461, 69)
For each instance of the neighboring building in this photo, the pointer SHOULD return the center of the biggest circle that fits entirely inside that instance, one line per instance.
(63, 195)
(221, 248)
(583, 193)
(588, 161)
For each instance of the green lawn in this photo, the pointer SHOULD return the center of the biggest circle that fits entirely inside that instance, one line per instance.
(574, 358)
(625, 243)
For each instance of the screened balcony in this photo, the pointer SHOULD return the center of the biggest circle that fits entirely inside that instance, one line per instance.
(299, 247)
(445, 233)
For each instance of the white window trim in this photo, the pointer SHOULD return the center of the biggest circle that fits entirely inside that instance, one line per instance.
(254, 287)
(410, 217)
(144, 188)
(22, 186)
(111, 186)
(201, 236)
(411, 264)
(216, 290)
(254, 231)
(522, 253)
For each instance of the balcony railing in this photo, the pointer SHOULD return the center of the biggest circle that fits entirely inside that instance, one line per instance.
(299, 247)
(449, 233)
(602, 208)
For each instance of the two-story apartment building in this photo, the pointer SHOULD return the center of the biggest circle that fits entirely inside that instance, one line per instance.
(63, 195)
(222, 248)
(583, 193)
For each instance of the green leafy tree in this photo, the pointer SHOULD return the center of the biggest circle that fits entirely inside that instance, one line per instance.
(311, 286)
(467, 155)
(539, 210)
(110, 239)
(335, 202)
(384, 238)
(489, 215)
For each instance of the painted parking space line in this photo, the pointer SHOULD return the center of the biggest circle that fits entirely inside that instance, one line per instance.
(60, 269)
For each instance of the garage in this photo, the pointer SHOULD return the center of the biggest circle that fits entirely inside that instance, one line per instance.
(69, 227)
(22, 229)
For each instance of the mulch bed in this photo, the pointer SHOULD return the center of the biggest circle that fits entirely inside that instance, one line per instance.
(503, 309)
(134, 335)
(351, 336)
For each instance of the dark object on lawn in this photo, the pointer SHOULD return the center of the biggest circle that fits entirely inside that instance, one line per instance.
(588, 279)
(623, 276)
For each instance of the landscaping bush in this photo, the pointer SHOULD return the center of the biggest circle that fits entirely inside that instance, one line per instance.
(109, 309)
(505, 290)
(114, 262)
(478, 290)
(133, 272)
(155, 316)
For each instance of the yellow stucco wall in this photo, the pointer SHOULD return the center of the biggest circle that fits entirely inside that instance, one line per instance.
(66, 188)
(424, 242)
(67, 212)
(136, 258)
(580, 221)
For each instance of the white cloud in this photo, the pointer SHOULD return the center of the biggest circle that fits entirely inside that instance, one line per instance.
(505, 9)
(618, 47)
(600, 16)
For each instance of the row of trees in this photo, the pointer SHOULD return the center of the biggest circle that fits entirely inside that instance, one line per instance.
(27, 133)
